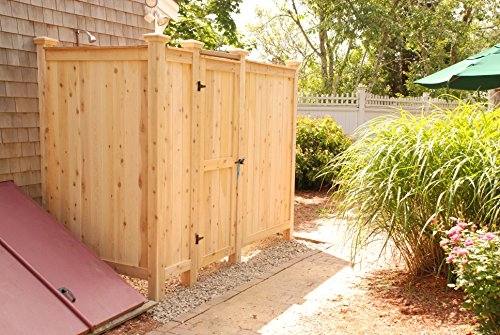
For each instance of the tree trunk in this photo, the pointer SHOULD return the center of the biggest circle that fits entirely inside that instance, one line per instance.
(383, 40)
(323, 55)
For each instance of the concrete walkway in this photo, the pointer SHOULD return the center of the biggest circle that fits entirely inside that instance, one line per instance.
(271, 306)
(287, 302)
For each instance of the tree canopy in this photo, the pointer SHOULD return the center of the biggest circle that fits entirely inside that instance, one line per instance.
(208, 21)
(383, 44)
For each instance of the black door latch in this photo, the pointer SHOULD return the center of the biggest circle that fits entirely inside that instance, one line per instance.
(67, 294)
(198, 238)
(200, 85)
(240, 161)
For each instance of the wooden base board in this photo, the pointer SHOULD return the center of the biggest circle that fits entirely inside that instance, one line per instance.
(124, 318)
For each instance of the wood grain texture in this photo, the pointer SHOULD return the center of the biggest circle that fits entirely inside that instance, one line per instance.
(138, 160)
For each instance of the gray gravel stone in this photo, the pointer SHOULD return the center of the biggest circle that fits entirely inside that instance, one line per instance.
(211, 284)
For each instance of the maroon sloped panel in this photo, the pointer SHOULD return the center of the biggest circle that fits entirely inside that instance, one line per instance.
(62, 260)
(28, 307)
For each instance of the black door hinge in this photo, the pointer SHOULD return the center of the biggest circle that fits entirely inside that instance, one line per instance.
(200, 85)
(197, 238)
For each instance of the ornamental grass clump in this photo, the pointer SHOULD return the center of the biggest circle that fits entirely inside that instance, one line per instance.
(474, 254)
(404, 174)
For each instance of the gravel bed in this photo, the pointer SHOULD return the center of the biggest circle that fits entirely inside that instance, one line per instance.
(218, 279)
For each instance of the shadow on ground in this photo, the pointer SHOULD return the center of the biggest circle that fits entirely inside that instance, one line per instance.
(277, 302)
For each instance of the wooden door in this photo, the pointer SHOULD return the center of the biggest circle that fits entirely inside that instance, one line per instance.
(219, 152)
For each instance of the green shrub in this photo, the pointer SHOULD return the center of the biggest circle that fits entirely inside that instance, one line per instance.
(475, 255)
(318, 142)
(403, 174)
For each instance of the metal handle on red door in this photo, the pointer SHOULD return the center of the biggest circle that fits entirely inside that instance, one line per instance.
(67, 294)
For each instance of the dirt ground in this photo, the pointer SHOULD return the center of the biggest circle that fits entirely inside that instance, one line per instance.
(387, 301)
(384, 302)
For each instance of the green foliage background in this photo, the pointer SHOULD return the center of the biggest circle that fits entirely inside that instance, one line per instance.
(208, 21)
(318, 142)
(382, 44)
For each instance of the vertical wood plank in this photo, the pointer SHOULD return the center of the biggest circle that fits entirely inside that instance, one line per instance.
(293, 65)
(186, 86)
(142, 180)
(240, 151)
(190, 277)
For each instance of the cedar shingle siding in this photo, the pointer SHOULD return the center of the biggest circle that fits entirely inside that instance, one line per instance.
(113, 22)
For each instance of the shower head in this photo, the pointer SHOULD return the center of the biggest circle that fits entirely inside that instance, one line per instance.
(91, 37)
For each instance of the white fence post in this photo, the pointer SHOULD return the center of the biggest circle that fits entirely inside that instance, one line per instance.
(361, 94)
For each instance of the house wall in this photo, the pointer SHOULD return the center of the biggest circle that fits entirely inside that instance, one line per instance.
(113, 22)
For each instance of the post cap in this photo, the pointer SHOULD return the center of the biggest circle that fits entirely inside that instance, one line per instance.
(238, 51)
(156, 37)
(294, 64)
(45, 41)
(191, 44)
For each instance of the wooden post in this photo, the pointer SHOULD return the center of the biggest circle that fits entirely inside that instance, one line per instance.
(156, 165)
(361, 94)
(288, 233)
(493, 98)
(42, 43)
(190, 277)
(242, 153)
(426, 102)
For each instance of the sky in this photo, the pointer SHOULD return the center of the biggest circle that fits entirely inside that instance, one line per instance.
(247, 16)
(247, 13)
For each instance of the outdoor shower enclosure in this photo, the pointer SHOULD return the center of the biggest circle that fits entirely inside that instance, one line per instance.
(163, 160)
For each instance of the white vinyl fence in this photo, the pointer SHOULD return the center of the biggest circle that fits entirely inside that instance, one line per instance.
(353, 109)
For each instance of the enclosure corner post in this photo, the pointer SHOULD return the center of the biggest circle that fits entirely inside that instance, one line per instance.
(361, 96)
(42, 43)
(288, 233)
(156, 167)
(241, 153)
(190, 277)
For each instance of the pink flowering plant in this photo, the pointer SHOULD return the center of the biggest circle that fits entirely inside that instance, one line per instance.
(474, 255)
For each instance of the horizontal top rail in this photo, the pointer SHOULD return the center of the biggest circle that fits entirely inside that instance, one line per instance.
(94, 48)
(343, 99)
(105, 53)
(280, 66)
(220, 54)
(353, 99)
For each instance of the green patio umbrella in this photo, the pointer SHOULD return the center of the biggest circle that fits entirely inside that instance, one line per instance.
(478, 72)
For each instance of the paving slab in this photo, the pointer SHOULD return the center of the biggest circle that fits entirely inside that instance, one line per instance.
(262, 308)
